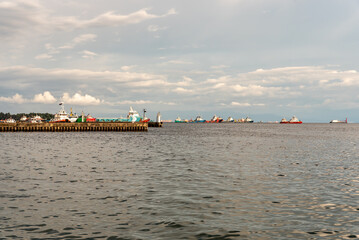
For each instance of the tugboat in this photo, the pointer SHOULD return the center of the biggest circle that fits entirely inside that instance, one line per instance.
(293, 120)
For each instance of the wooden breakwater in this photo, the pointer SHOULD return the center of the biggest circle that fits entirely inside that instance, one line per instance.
(74, 127)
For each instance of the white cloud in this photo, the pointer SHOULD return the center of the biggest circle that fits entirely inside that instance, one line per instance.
(251, 90)
(219, 67)
(155, 28)
(21, 16)
(113, 19)
(81, 75)
(88, 54)
(17, 98)
(138, 102)
(182, 90)
(78, 99)
(46, 98)
(240, 104)
(179, 62)
(246, 104)
(79, 39)
(148, 83)
(127, 68)
(43, 56)
(186, 82)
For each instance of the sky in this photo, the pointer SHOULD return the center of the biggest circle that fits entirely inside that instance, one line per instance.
(265, 59)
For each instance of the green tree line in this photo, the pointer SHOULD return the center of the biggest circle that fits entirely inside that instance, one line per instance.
(17, 116)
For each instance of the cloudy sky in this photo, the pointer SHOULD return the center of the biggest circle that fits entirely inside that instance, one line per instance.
(267, 59)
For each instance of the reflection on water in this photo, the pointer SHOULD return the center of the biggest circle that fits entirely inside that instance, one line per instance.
(182, 181)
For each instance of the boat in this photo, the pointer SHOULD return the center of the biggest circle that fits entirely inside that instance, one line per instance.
(179, 120)
(248, 120)
(132, 116)
(293, 120)
(199, 119)
(338, 121)
(61, 116)
(245, 120)
(215, 119)
(230, 119)
(284, 120)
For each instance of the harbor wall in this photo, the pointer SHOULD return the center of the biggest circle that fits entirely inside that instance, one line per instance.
(154, 124)
(73, 127)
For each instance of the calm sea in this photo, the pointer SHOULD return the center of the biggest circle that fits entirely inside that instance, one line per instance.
(182, 181)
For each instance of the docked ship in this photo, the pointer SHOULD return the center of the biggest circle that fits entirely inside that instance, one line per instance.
(293, 120)
(133, 116)
(89, 118)
(61, 116)
(215, 119)
(338, 121)
(73, 117)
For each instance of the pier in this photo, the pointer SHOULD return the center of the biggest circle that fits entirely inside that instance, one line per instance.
(74, 127)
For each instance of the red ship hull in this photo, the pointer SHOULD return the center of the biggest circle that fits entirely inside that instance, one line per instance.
(300, 122)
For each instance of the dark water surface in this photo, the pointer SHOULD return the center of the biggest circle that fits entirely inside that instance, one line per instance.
(182, 181)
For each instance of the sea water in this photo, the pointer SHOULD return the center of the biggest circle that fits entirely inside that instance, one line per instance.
(182, 181)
